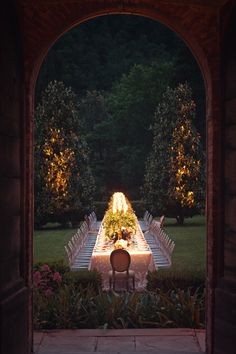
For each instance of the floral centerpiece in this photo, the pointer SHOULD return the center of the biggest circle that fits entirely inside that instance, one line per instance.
(121, 244)
(119, 221)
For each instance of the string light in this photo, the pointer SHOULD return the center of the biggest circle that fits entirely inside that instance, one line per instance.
(185, 166)
(59, 160)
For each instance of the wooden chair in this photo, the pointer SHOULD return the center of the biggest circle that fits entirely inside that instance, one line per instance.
(120, 261)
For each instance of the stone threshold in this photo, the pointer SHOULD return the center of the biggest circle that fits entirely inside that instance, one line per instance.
(160, 341)
(126, 332)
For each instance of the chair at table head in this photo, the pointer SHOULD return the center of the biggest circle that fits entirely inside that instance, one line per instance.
(120, 262)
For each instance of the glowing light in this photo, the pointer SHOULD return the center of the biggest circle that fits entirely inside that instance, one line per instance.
(119, 203)
(120, 221)
(59, 163)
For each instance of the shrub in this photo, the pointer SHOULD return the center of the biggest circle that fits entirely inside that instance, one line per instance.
(138, 207)
(46, 281)
(85, 308)
(166, 279)
(100, 209)
(84, 279)
(53, 311)
(66, 217)
(39, 220)
(59, 300)
(65, 299)
(77, 279)
(58, 266)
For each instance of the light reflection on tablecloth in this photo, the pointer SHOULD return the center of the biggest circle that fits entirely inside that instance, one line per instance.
(141, 258)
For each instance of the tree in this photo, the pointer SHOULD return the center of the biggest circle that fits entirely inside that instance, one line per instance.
(97, 53)
(96, 129)
(131, 105)
(63, 180)
(129, 60)
(174, 176)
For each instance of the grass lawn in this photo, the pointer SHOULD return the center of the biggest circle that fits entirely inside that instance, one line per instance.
(49, 244)
(190, 240)
(188, 254)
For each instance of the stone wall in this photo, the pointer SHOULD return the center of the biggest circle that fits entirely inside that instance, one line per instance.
(43, 22)
(225, 309)
(23, 48)
(14, 299)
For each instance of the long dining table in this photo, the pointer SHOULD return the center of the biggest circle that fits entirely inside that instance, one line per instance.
(141, 257)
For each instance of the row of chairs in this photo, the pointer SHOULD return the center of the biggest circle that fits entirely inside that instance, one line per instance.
(148, 219)
(163, 241)
(78, 240)
(91, 220)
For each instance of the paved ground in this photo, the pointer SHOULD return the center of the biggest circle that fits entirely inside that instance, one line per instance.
(160, 341)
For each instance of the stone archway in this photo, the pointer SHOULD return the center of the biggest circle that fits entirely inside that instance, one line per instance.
(41, 24)
(60, 26)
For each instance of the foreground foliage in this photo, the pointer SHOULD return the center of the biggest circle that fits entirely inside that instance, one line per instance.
(166, 279)
(75, 300)
(71, 307)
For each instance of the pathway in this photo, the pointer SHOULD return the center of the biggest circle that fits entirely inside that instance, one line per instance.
(159, 341)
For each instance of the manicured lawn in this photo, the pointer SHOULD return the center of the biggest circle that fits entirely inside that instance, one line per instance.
(190, 240)
(49, 244)
(188, 255)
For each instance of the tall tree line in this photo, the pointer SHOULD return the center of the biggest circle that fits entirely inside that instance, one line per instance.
(94, 55)
(119, 67)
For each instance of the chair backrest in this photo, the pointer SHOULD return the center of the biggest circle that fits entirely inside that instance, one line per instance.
(162, 218)
(120, 260)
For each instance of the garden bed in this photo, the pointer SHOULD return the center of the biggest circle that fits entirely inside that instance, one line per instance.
(64, 299)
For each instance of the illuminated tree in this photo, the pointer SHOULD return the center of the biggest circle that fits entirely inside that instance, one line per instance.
(59, 161)
(185, 165)
(174, 177)
(63, 181)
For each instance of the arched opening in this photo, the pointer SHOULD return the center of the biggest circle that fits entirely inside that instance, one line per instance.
(202, 26)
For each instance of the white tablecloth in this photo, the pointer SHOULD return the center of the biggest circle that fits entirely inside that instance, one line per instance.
(141, 258)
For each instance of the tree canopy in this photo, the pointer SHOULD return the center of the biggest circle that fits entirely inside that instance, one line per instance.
(95, 55)
(174, 176)
(131, 105)
(118, 67)
(63, 180)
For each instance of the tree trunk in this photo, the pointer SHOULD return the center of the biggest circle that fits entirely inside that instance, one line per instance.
(180, 219)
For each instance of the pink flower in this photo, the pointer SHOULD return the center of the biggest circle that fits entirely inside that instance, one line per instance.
(45, 268)
(37, 277)
(48, 292)
(57, 277)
